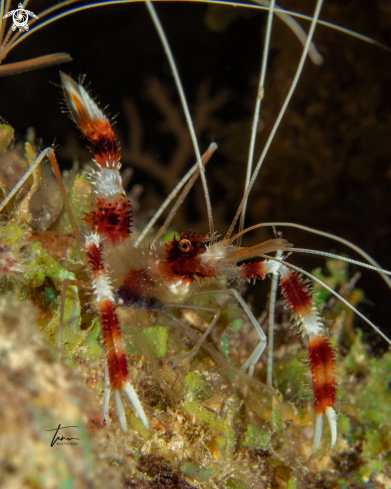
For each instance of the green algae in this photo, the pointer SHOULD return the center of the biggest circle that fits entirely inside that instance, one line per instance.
(257, 438)
(80, 198)
(137, 424)
(337, 275)
(232, 483)
(12, 234)
(190, 469)
(155, 338)
(44, 263)
(6, 136)
(196, 389)
(291, 483)
(89, 348)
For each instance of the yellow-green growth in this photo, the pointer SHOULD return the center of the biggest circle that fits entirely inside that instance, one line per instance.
(201, 475)
(42, 263)
(89, 347)
(232, 483)
(6, 137)
(80, 198)
(257, 438)
(12, 234)
(137, 424)
(196, 390)
(155, 338)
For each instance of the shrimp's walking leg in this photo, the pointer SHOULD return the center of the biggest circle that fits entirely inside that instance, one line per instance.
(272, 311)
(174, 361)
(257, 353)
(106, 398)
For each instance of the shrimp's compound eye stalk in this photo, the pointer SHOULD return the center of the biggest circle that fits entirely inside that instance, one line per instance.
(184, 245)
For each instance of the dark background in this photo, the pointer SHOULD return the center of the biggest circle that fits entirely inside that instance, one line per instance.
(330, 164)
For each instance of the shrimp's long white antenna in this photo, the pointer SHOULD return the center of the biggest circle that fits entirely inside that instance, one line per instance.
(332, 291)
(260, 95)
(2, 23)
(338, 257)
(272, 312)
(284, 15)
(186, 110)
(281, 114)
(184, 193)
(164, 205)
(295, 27)
(28, 173)
(344, 241)
(173, 194)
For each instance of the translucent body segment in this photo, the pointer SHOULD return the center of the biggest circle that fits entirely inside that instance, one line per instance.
(138, 290)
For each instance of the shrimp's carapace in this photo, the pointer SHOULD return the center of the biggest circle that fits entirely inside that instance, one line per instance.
(183, 259)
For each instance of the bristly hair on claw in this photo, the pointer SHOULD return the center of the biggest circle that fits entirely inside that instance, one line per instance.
(93, 124)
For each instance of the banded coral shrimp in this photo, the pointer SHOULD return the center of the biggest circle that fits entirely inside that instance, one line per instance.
(106, 98)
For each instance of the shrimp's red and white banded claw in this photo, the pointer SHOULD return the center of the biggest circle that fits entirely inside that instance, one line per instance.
(110, 220)
(299, 298)
(116, 360)
(111, 217)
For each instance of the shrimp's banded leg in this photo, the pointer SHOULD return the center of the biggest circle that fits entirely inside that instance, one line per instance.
(257, 353)
(253, 271)
(300, 300)
(109, 219)
(112, 334)
(179, 358)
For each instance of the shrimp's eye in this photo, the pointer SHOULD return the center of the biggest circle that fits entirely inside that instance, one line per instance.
(184, 245)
